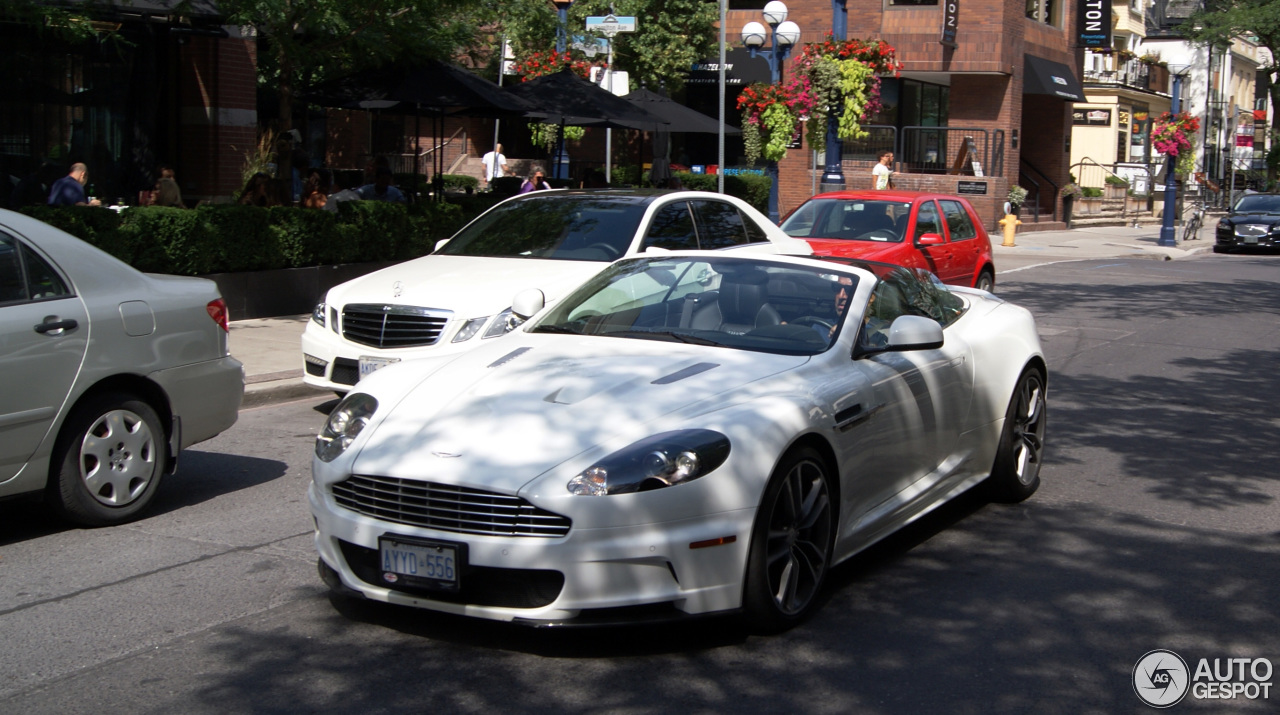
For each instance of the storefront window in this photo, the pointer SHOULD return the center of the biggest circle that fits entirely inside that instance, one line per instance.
(1046, 11)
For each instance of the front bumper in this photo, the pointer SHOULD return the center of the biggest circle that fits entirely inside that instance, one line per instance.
(552, 580)
(332, 363)
(1247, 237)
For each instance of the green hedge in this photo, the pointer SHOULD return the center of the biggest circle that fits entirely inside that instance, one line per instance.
(752, 188)
(232, 238)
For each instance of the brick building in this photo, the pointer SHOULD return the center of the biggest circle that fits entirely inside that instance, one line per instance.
(1008, 83)
(154, 89)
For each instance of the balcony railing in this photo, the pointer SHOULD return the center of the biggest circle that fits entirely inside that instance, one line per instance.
(1134, 74)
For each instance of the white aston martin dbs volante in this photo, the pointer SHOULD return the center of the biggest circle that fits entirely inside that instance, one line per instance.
(687, 433)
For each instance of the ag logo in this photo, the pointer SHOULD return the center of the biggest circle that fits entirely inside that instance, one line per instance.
(1161, 678)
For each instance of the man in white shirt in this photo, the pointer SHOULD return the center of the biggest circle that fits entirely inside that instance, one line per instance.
(882, 174)
(495, 164)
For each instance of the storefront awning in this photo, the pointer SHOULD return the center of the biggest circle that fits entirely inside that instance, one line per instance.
(1041, 76)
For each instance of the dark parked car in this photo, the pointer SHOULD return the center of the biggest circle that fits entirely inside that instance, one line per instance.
(1254, 222)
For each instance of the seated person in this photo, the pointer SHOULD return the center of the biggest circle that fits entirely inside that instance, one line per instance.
(381, 188)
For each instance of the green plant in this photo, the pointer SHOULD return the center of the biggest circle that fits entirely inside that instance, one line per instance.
(1071, 190)
(1092, 192)
(460, 183)
(260, 158)
(1113, 180)
(1017, 195)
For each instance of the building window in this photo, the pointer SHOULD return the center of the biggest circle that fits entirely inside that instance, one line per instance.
(1047, 11)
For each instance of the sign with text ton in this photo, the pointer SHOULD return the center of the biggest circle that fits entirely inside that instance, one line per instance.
(950, 20)
(1095, 23)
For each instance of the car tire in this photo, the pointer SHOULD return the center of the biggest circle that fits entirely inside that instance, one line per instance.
(986, 281)
(108, 461)
(791, 543)
(1016, 472)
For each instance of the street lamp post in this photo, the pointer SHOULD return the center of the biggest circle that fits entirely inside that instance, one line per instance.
(785, 34)
(562, 23)
(833, 174)
(1168, 236)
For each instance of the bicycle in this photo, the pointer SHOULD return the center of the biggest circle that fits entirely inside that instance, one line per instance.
(1192, 226)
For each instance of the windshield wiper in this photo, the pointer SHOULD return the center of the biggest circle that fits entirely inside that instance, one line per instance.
(664, 335)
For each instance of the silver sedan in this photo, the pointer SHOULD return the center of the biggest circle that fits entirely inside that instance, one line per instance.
(108, 373)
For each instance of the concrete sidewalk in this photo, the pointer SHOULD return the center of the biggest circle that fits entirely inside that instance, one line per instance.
(271, 353)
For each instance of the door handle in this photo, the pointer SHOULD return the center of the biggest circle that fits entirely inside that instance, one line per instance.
(48, 326)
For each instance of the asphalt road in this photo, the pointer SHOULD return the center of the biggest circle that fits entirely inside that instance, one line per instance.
(1156, 527)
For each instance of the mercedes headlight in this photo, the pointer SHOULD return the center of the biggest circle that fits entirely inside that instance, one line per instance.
(503, 324)
(317, 314)
(345, 423)
(659, 461)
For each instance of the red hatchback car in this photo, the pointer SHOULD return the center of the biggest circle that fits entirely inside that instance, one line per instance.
(936, 232)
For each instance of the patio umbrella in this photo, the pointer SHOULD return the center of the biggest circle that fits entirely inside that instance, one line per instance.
(566, 99)
(439, 88)
(678, 117)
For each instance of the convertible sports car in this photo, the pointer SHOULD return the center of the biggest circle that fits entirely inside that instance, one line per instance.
(687, 433)
(459, 296)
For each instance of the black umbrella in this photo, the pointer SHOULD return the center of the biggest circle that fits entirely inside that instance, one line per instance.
(437, 87)
(430, 85)
(565, 98)
(679, 118)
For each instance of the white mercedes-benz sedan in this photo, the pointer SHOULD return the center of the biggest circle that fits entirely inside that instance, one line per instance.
(459, 297)
(108, 374)
(688, 433)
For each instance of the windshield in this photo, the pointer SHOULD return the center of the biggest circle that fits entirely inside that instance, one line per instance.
(736, 303)
(553, 226)
(850, 219)
(1258, 203)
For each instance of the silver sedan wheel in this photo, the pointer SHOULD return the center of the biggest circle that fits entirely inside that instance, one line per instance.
(798, 537)
(117, 457)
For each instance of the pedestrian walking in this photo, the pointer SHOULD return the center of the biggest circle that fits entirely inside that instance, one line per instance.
(881, 173)
(495, 164)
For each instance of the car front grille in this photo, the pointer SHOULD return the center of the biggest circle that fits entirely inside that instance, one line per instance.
(461, 510)
(392, 326)
(1252, 229)
(345, 371)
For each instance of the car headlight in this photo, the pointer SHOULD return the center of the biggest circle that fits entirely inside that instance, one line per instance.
(503, 324)
(1224, 223)
(317, 314)
(469, 329)
(345, 423)
(659, 461)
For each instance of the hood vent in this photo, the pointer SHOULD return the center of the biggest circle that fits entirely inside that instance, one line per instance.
(687, 372)
(509, 357)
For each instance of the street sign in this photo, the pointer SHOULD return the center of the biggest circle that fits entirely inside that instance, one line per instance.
(610, 25)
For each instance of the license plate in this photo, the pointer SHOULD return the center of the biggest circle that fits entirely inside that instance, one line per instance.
(435, 564)
(370, 365)
(1250, 239)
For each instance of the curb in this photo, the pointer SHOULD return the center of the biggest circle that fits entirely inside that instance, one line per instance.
(273, 388)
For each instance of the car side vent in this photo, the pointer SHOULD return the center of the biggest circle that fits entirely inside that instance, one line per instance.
(690, 371)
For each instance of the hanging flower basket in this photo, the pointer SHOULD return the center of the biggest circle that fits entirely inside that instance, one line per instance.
(839, 76)
(1172, 134)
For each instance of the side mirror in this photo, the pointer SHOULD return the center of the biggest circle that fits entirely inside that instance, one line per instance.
(914, 332)
(528, 302)
(1008, 208)
(930, 239)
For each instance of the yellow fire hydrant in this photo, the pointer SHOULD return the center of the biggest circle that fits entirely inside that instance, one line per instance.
(1010, 224)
